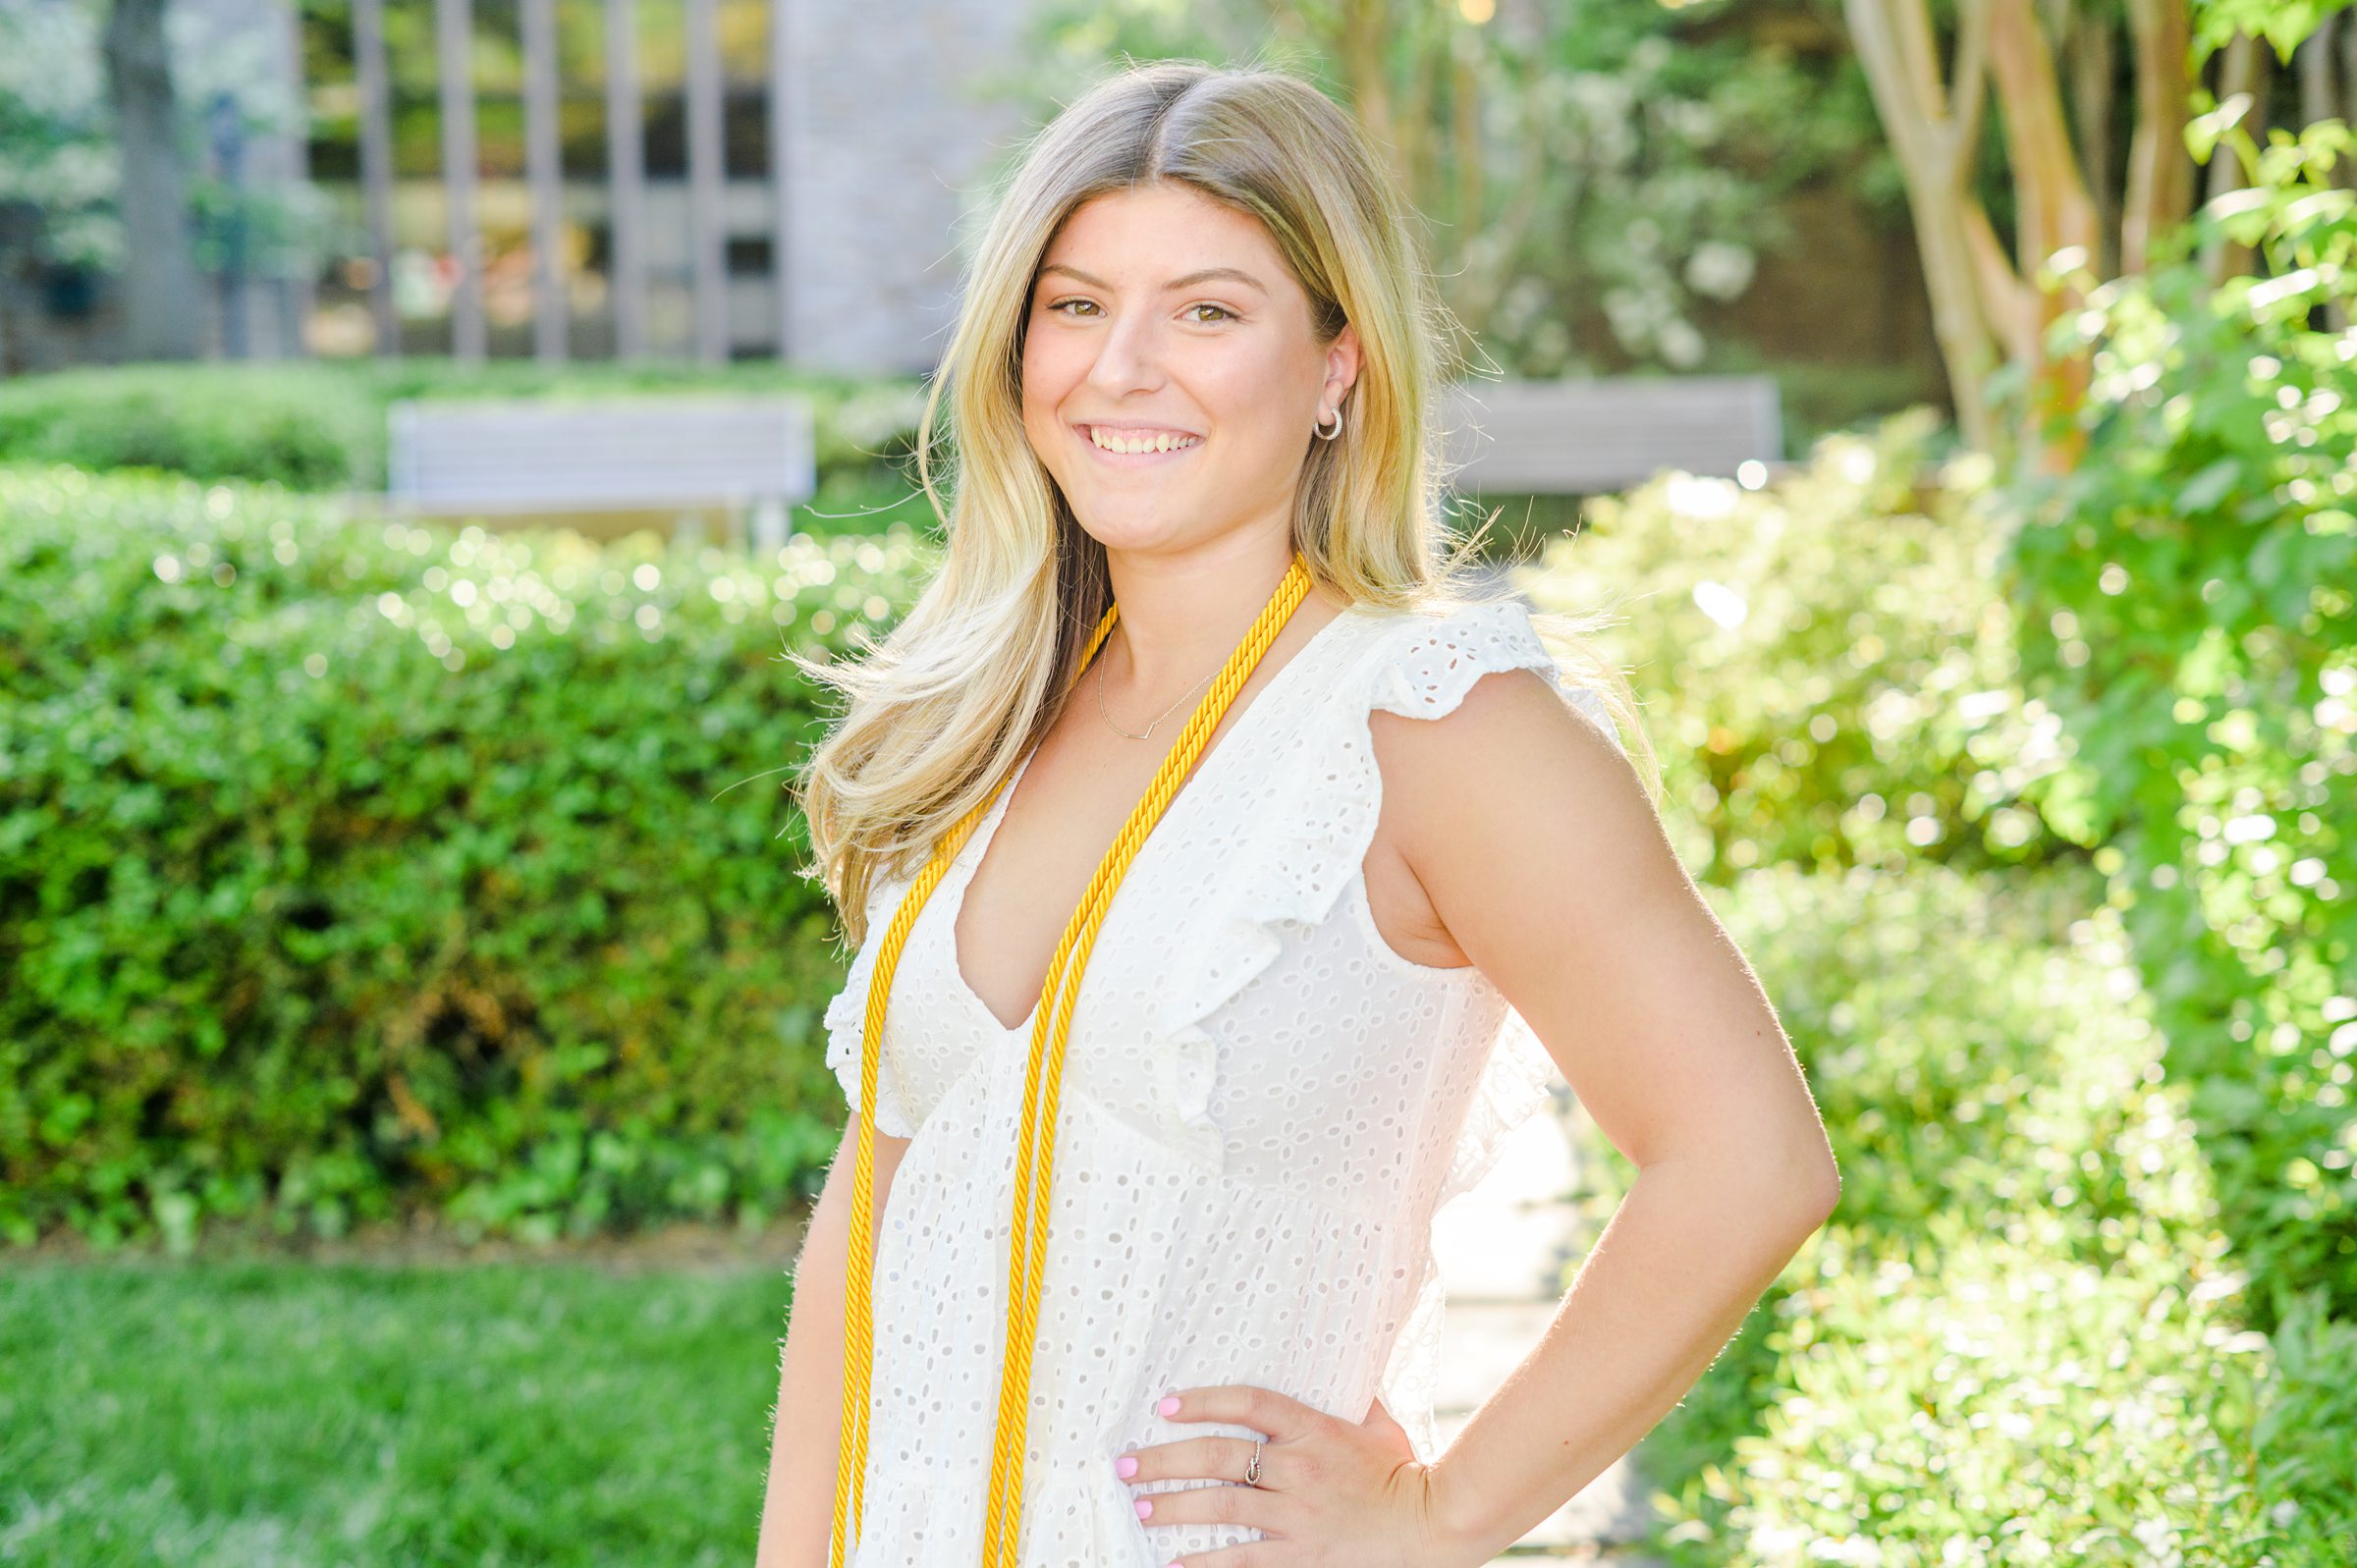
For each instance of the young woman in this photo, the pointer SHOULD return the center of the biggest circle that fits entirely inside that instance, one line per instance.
(1228, 882)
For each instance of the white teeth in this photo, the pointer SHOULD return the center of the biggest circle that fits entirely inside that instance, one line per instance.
(1159, 441)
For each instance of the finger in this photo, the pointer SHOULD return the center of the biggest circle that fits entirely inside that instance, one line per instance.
(1281, 1417)
(1198, 1458)
(1218, 1502)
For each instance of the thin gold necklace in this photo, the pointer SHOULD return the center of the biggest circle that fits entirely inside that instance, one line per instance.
(1166, 713)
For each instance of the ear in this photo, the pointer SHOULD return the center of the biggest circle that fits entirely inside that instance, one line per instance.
(1342, 366)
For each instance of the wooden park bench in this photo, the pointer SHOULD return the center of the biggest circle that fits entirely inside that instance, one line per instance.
(1587, 437)
(603, 467)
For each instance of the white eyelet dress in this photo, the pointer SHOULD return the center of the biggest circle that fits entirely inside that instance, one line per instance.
(1263, 1107)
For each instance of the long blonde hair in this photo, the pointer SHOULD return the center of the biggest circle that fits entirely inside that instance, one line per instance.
(974, 673)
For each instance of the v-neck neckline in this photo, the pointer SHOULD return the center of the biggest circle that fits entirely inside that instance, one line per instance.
(976, 849)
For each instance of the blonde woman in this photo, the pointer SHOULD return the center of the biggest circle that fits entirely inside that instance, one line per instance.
(1227, 883)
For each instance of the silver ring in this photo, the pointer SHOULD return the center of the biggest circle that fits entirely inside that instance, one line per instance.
(1252, 1469)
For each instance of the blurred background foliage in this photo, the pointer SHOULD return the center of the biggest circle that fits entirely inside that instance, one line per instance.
(1829, 660)
(322, 425)
(1593, 177)
(359, 875)
(2189, 596)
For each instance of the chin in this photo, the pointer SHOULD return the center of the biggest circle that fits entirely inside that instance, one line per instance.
(1134, 530)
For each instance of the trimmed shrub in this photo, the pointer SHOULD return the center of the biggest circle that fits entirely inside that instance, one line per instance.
(321, 427)
(1975, 1395)
(307, 427)
(348, 869)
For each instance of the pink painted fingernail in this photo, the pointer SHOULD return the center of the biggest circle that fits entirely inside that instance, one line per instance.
(1170, 1406)
(1126, 1466)
(1144, 1508)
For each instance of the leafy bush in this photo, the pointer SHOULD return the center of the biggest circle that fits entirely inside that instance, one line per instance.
(348, 868)
(2190, 592)
(1974, 1396)
(1972, 1040)
(1829, 661)
(2019, 1341)
(2308, 1432)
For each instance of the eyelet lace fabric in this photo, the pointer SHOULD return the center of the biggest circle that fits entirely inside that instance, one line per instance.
(1264, 1106)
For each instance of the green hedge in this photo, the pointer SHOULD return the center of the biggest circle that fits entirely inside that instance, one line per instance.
(321, 427)
(347, 869)
(1977, 1396)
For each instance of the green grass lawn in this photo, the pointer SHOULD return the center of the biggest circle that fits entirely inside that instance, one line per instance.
(260, 1414)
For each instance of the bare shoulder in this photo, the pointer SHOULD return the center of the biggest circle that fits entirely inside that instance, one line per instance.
(1514, 754)
(1486, 769)
(1537, 846)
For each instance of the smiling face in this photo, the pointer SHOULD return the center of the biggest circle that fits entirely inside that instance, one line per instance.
(1165, 321)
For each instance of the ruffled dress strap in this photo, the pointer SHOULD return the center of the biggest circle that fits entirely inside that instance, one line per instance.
(847, 1019)
(1320, 813)
(1425, 672)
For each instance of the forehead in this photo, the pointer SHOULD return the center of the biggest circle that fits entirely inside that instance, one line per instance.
(1153, 233)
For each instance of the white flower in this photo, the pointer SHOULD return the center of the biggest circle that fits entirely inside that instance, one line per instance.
(1720, 270)
(1681, 344)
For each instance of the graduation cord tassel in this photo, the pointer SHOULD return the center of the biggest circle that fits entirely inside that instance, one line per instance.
(1050, 1032)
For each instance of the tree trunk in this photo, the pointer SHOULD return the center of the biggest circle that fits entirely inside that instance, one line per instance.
(2348, 96)
(1934, 135)
(2055, 214)
(2242, 70)
(2320, 98)
(2092, 45)
(2160, 175)
(159, 265)
(2320, 92)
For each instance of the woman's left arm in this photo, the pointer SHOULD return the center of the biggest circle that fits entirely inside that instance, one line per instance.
(1540, 851)
(1541, 854)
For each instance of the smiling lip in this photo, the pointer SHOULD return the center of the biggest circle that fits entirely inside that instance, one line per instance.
(1134, 460)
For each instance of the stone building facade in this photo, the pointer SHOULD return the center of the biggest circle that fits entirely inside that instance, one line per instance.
(887, 154)
(843, 222)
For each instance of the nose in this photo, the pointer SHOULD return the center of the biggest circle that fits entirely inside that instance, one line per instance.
(1128, 358)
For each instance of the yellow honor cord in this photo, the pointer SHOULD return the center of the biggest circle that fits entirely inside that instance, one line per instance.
(1026, 1254)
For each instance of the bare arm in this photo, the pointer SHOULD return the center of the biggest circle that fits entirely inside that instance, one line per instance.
(797, 1510)
(1558, 883)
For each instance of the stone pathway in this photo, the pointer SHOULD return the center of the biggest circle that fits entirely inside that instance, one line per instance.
(1505, 1250)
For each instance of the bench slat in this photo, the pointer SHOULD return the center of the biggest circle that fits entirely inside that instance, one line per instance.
(1582, 437)
(589, 456)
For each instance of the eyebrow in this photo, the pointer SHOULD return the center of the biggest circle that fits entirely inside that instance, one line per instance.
(1231, 274)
